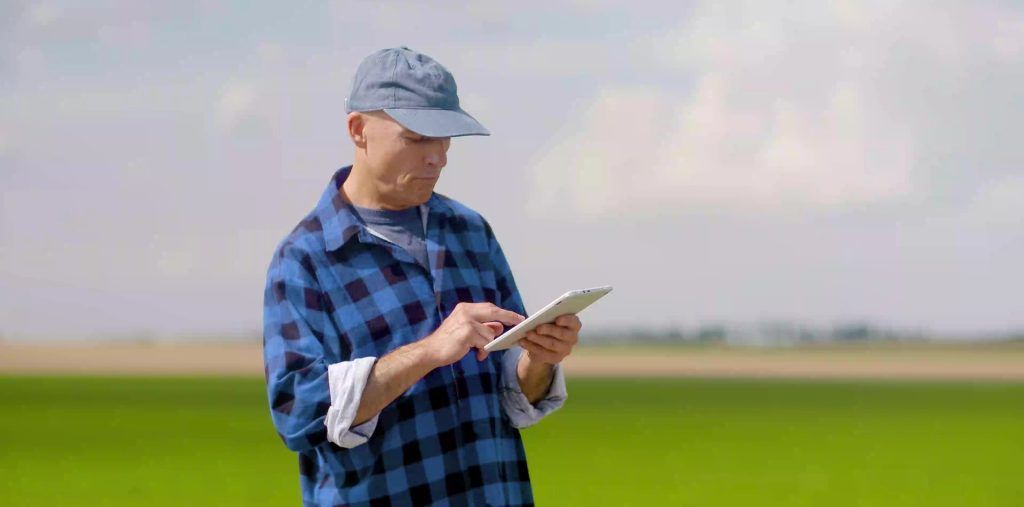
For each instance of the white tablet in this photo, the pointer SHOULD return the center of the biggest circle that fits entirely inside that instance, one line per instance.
(571, 302)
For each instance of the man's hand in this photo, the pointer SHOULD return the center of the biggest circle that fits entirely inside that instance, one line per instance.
(470, 325)
(551, 343)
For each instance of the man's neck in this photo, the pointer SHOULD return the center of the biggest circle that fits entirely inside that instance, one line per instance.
(361, 191)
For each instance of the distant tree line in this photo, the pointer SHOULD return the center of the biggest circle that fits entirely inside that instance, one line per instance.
(776, 333)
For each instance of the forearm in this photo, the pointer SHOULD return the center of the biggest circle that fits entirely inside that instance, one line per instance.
(534, 377)
(391, 376)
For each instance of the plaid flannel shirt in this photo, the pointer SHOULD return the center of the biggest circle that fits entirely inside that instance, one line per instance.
(336, 293)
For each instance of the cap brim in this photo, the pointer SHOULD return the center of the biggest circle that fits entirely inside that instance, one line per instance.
(438, 122)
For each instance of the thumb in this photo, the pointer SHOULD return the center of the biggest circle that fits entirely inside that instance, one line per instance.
(496, 327)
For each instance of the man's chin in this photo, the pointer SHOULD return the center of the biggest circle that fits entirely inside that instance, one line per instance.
(421, 196)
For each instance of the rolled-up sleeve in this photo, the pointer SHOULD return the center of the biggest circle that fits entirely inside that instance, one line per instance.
(520, 411)
(294, 325)
(347, 381)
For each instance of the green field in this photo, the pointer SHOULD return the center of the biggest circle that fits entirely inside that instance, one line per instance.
(208, 441)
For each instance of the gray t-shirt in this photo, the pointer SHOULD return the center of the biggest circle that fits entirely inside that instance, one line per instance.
(402, 227)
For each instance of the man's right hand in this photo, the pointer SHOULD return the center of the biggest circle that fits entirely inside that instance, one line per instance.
(470, 325)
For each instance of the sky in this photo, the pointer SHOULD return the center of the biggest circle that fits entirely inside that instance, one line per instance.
(714, 161)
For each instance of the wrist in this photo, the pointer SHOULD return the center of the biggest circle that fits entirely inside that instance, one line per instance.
(534, 377)
(425, 354)
(528, 366)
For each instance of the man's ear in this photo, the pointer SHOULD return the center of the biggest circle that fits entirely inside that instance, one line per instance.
(356, 128)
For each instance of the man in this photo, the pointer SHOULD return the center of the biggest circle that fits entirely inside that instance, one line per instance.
(375, 303)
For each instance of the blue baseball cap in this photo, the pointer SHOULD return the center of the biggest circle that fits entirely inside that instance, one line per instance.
(414, 90)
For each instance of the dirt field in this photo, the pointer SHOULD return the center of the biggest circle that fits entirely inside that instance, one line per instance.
(983, 362)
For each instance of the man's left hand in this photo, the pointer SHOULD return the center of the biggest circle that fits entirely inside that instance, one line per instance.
(551, 343)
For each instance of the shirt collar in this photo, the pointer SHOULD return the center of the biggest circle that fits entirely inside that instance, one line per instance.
(341, 223)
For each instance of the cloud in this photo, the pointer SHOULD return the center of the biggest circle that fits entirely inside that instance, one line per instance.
(805, 107)
(42, 14)
(1000, 205)
(5, 143)
(167, 154)
(234, 103)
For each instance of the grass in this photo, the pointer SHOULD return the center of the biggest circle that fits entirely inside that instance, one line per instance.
(730, 442)
(208, 441)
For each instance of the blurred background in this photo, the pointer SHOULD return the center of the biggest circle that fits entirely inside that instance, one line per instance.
(811, 213)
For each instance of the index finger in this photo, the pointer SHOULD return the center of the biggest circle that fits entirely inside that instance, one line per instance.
(570, 321)
(487, 312)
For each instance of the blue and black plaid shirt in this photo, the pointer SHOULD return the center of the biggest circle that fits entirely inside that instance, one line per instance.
(335, 293)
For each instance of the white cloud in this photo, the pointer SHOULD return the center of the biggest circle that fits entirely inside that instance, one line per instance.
(235, 102)
(200, 149)
(42, 14)
(1000, 204)
(130, 33)
(30, 62)
(5, 142)
(805, 107)
(1008, 37)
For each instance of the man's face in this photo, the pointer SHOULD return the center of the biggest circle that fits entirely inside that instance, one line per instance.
(404, 165)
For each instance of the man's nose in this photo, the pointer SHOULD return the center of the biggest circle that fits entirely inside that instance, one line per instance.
(436, 155)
